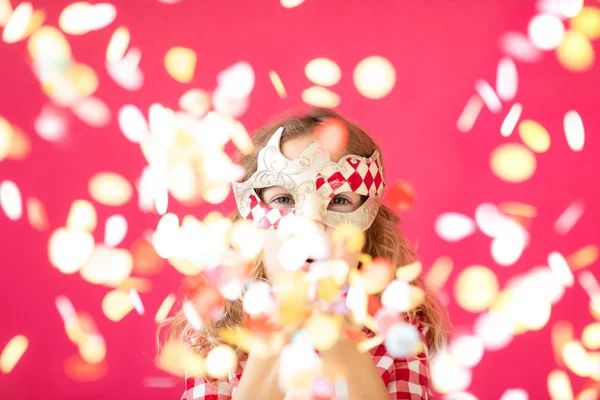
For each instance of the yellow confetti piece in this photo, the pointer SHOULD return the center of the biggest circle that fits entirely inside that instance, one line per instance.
(82, 216)
(469, 114)
(559, 386)
(324, 330)
(277, 84)
(17, 24)
(20, 145)
(323, 72)
(587, 22)
(142, 285)
(291, 3)
(110, 189)
(534, 135)
(80, 17)
(180, 63)
(591, 336)
(584, 257)
(119, 41)
(164, 308)
(575, 52)
(6, 138)
(513, 163)
(12, 353)
(92, 349)
(577, 359)
(511, 119)
(175, 360)
(328, 289)
(85, 79)
(518, 209)
(116, 304)
(5, 11)
(588, 394)
(365, 345)
(562, 333)
(48, 43)
(241, 139)
(574, 130)
(409, 272)
(476, 288)
(320, 97)
(349, 236)
(374, 77)
(37, 20)
(36, 214)
(10, 200)
(220, 361)
(196, 102)
(107, 266)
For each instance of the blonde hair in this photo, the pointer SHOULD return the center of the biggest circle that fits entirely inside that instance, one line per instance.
(383, 239)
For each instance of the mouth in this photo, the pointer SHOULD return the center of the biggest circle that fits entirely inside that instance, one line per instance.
(306, 266)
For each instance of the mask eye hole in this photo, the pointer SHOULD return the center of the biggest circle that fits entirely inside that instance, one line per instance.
(276, 197)
(346, 202)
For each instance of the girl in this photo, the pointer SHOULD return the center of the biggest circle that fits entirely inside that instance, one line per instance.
(288, 173)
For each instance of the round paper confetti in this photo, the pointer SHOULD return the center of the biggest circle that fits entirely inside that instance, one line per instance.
(546, 31)
(476, 288)
(69, 249)
(402, 340)
(374, 77)
(110, 189)
(534, 135)
(513, 163)
(220, 361)
(575, 52)
(400, 196)
(320, 97)
(587, 22)
(323, 72)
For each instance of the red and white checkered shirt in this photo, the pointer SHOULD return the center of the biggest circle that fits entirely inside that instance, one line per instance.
(404, 378)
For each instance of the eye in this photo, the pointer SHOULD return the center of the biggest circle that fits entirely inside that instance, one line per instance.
(283, 200)
(340, 201)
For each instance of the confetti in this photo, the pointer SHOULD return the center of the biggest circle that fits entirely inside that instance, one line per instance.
(277, 84)
(68, 250)
(577, 359)
(512, 163)
(400, 196)
(12, 353)
(475, 288)
(20, 145)
(237, 81)
(79, 370)
(80, 17)
(409, 272)
(447, 376)
(92, 349)
(115, 230)
(191, 315)
(5, 11)
(519, 47)
(82, 216)
(6, 138)
(402, 340)
(507, 79)
(324, 330)
(489, 97)
(591, 336)
(291, 3)
(323, 72)
(511, 119)
(116, 304)
(494, 329)
(454, 226)
(175, 360)
(575, 52)
(51, 125)
(146, 261)
(195, 101)
(332, 134)
(110, 189)
(320, 97)
(399, 295)
(559, 266)
(469, 114)
(17, 24)
(258, 299)
(567, 220)
(377, 274)
(467, 350)
(107, 266)
(574, 130)
(588, 394)
(93, 112)
(546, 31)
(534, 135)
(352, 238)
(165, 307)
(126, 72)
(570, 8)
(587, 22)
(584, 257)
(10, 200)
(507, 249)
(180, 63)
(136, 300)
(133, 123)
(119, 41)
(374, 77)
(159, 382)
(438, 274)
(515, 394)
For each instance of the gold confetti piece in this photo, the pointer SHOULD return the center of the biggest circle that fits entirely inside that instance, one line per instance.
(512, 163)
(5, 11)
(487, 94)
(164, 308)
(588, 394)
(49, 43)
(17, 24)
(574, 130)
(567, 220)
(92, 349)
(447, 376)
(577, 359)
(175, 360)
(12, 353)
(409, 272)
(595, 307)
(438, 274)
(324, 330)
(82, 216)
(591, 336)
(6, 138)
(37, 20)
(507, 79)
(180, 63)
(142, 285)
(110, 189)
(546, 31)
(469, 114)
(562, 333)
(377, 275)
(85, 79)
(511, 119)
(241, 139)
(69, 249)
(119, 41)
(92, 111)
(584, 257)
(79, 370)
(36, 214)
(575, 52)
(518, 209)
(107, 266)
(561, 269)
(220, 361)
(195, 101)
(534, 135)
(374, 77)
(370, 343)
(291, 3)
(146, 261)
(320, 97)
(116, 305)
(80, 327)
(20, 144)
(323, 72)
(349, 236)
(10, 200)
(277, 84)
(587, 22)
(476, 288)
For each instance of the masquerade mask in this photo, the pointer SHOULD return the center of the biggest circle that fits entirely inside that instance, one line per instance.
(313, 180)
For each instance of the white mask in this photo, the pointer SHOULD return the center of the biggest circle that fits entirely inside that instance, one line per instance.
(313, 180)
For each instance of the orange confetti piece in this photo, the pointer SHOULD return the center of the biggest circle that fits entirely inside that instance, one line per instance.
(584, 257)
(332, 134)
(12, 353)
(180, 63)
(36, 214)
(400, 196)
(79, 370)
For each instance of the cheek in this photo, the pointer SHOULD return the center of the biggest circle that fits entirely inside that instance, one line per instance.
(271, 248)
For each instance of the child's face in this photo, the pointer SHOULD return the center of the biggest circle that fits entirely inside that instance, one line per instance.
(279, 198)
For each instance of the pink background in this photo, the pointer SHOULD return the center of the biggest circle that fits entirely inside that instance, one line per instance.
(439, 49)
